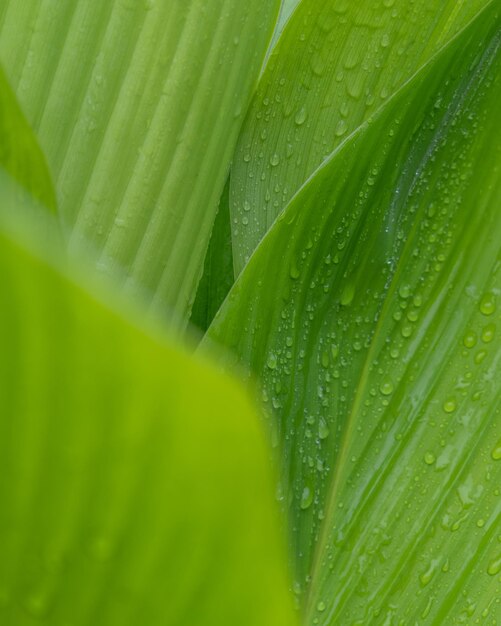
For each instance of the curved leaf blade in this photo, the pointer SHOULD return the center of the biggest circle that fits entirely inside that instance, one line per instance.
(333, 68)
(389, 269)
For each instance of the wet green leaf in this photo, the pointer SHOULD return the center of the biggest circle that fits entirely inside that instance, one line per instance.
(370, 313)
(335, 66)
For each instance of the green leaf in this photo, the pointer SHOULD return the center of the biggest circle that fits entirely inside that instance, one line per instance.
(134, 479)
(333, 68)
(137, 105)
(376, 337)
(20, 154)
(286, 9)
(217, 278)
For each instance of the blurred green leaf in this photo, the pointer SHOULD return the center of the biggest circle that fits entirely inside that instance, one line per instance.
(370, 313)
(134, 479)
(137, 105)
(335, 66)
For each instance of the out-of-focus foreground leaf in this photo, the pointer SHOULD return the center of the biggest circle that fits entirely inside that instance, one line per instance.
(20, 155)
(137, 105)
(336, 64)
(134, 483)
(370, 312)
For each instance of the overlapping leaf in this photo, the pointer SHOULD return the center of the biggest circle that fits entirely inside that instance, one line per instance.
(130, 99)
(125, 497)
(369, 313)
(20, 155)
(217, 278)
(334, 66)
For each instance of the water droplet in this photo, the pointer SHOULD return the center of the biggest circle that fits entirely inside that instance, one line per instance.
(470, 339)
(429, 458)
(323, 429)
(496, 451)
(341, 128)
(325, 359)
(494, 566)
(306, 498)
(487, 304)
(301, 116)
(272, 361)
(426, 576)
(449, 405)
(404, 291)
(488, 333)
(386, 387)
(480, 356)
(274, 160)
(321, 606)
(294, 271)
(385, 41)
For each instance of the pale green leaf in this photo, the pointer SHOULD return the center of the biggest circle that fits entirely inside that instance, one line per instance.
(134, 480)
(137, 105)
(335, 65)
(370, 313)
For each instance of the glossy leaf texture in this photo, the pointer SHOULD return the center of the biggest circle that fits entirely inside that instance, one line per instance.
(335, 65)
(129, 99)
(20, 154)
(125, 497)
(376, 338)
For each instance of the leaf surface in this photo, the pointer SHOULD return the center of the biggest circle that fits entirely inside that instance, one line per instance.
(137, 105)
(334, 66)
(134, 479)
(370, 314)
(20, 154)
(218, 276)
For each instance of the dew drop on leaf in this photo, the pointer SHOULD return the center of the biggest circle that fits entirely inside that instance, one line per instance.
(272, 361)
(429, 458)
(496, 452)
(494, 566)
(323, 429)
(274, 160)
(386, 387)
(341, 128)
(300, 116)
(470, 339)
(306, 498)
(449, 405)
(487, 304)
(488, 333)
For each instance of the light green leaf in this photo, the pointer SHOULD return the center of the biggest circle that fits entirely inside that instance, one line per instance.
(217, 278)
(131, 101)
(286, 9)
(20, 154)
(376, 338)
(134, 479)
(334, 66)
